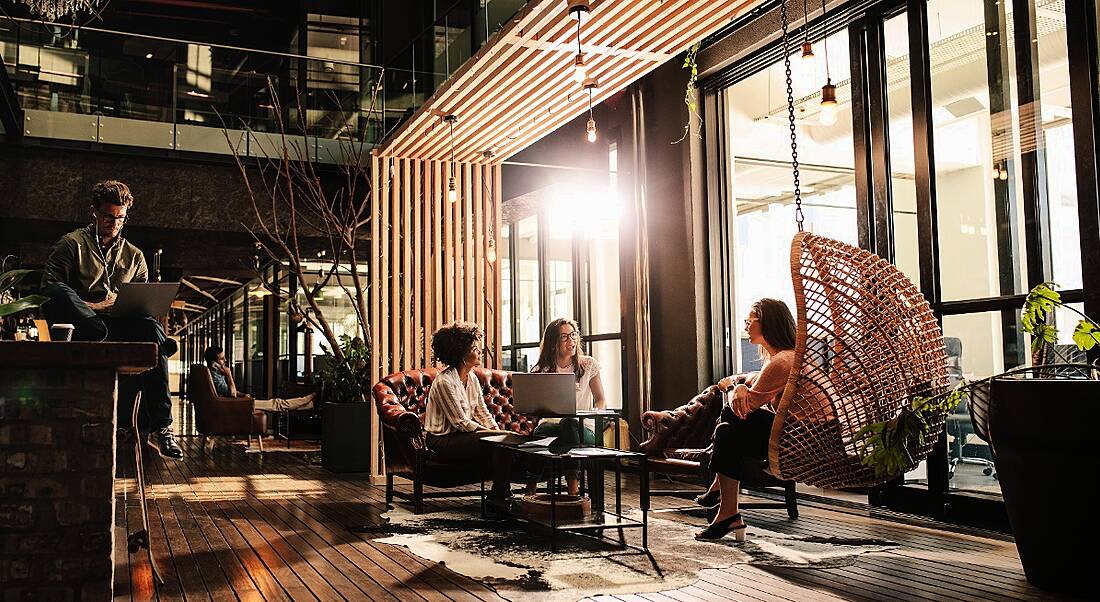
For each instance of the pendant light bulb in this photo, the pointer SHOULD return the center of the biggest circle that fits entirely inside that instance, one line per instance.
(452, 192)
(591, 130)
(807, 66)
(491, 254)
(828, 104)
(1003, 175)
(996, 172)
(580, 69)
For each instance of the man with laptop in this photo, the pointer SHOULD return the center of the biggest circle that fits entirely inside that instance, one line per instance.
(84, 273)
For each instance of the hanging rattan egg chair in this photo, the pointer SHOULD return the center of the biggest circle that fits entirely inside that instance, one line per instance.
(867, 343)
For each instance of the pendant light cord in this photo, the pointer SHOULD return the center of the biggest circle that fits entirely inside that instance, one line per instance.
(825, 38)
(579, 33)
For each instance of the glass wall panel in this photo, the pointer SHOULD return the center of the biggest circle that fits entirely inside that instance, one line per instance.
(903, 188)
(527, 283)
(975, 349)
(760, 178)
(610, 356)
(525, 359)
(236, 351)
(977, 153)
(506, 285)
(1056, 143)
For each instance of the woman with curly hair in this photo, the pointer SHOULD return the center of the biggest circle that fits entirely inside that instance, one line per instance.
(457, 418)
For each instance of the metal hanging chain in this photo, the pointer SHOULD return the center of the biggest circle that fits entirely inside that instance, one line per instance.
(799, 217)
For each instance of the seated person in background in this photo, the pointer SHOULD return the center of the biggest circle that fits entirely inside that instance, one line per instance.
(560, 352)
(746, 423)
(83, 273)
(222, 376)
(457, 418)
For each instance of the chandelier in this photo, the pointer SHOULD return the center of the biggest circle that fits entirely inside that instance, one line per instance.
(52, 9)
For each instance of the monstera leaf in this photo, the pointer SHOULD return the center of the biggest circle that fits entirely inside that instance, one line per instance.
(8, 282)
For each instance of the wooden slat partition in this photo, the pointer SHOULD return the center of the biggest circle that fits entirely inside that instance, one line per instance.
(429, 259)
(518, 87)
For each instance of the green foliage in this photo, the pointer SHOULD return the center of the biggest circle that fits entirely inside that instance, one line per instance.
(1042, 300)
(8, 281)
(885, 446)
(689, 97)
(1086, 335)
(347, 379)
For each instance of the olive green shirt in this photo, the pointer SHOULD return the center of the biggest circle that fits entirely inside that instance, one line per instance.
(80, 262)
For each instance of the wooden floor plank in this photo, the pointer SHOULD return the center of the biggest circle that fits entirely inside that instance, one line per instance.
(231, 525)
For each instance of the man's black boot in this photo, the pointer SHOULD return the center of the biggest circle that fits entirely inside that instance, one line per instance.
(164, 441)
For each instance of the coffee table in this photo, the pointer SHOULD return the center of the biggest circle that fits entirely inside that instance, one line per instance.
(591, 458)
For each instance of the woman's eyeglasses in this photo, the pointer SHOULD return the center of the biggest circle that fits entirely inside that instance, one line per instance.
(566, 336)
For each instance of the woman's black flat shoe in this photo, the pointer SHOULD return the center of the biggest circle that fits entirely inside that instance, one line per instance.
(711, 498)
(718, 530)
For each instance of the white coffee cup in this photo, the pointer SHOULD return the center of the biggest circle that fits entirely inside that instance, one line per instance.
(61, 332)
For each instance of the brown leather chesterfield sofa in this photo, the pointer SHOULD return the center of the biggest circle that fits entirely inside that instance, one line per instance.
(222, 416)
(401, 399)
(676, 442)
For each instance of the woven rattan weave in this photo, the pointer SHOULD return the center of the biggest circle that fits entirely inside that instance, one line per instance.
(867, 343)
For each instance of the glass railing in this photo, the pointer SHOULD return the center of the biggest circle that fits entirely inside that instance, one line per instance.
(75, 86)
(416, 72)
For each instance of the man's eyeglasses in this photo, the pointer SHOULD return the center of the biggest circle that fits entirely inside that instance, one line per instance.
(107, 217)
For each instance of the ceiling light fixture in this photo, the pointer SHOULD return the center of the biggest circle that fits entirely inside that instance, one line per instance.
(53, 9)
(591, 84)
(491, 254)
(808, 63)
(828, 91)
(148, 55)
(452, 192)
(578, 8)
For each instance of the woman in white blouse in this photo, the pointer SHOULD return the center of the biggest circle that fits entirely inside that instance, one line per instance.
(457, 418)
(560, 352)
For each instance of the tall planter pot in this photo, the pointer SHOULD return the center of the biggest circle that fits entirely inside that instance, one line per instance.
(345, 437)
(1043, 433)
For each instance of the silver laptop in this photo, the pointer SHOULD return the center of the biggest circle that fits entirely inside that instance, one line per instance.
(144, 299)
(544, 394)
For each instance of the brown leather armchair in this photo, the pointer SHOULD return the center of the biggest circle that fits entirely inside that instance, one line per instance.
(225, 416)
(677, 443)
(401, 399)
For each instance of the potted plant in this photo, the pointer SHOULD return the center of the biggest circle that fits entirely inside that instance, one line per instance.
(10, 304)
(1038, 421)
(313, 225)
(345, 411)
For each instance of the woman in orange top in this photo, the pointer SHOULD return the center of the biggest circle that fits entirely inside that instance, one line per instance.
(747, 417)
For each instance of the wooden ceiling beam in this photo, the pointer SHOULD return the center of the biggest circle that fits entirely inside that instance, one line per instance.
(519, 86)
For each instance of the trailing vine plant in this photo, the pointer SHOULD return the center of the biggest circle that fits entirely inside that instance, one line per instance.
(692, 104)
(884, 445)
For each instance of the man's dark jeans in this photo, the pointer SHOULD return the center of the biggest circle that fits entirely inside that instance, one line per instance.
(66, 307)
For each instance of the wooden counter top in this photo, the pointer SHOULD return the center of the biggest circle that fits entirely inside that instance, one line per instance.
(127, 358)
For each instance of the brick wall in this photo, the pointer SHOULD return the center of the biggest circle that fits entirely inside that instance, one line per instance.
(56, 477)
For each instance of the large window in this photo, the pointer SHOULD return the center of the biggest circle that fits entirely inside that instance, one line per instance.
(561, 260)
(762, 194)
(952, 156)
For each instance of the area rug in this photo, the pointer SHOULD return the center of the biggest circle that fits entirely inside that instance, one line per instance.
(518, 563)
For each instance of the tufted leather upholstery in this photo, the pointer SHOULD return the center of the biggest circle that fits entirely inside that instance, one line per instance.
(677, 443)
(402, 399)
